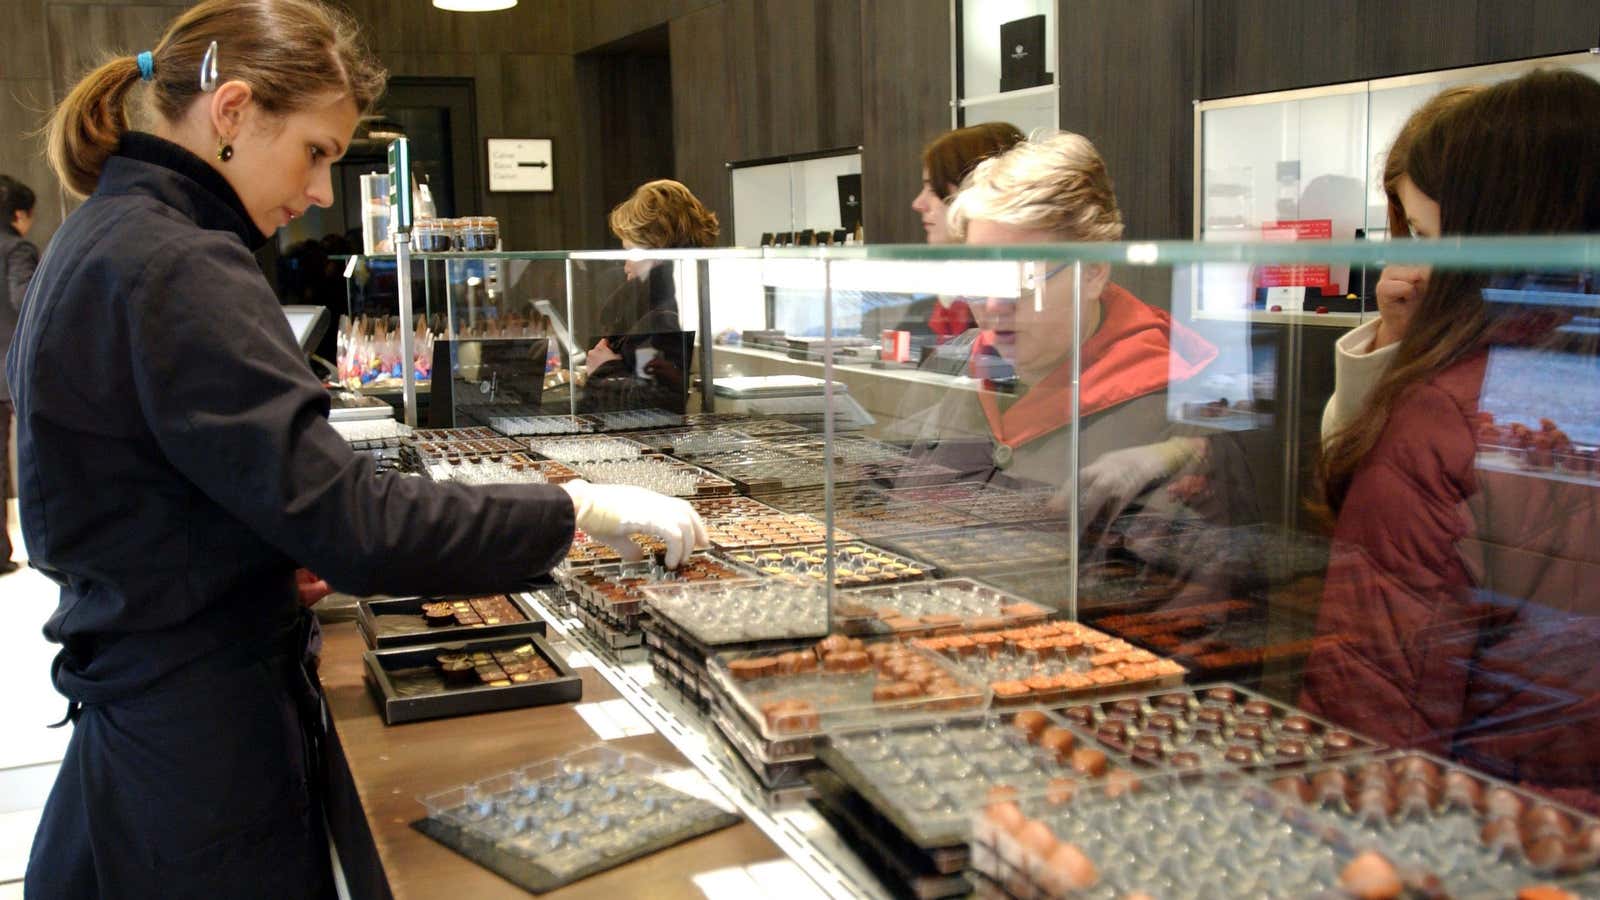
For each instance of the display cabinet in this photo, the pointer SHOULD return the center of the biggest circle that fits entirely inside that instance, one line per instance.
(1003, 63)
(797, 200)
(1086, 552)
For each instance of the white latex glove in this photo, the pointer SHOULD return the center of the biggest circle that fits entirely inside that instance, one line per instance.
(1107, 485)
(612, 512)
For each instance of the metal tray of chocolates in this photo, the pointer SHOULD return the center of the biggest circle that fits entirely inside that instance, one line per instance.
(798, 693)
(928, 777)
(916, 607)
(429, 620)
(1050, 662)
(740, 611)
(856, 564)
(977, 551)
(1221, 726)
(559, 820)
(661, 474)
(435, 444)
(1441, 823)
(1223, 835)
(466, 677)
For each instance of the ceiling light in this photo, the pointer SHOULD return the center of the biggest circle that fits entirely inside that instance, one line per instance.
(474, 5)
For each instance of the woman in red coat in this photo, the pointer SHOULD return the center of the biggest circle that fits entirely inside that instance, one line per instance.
(1464, 585)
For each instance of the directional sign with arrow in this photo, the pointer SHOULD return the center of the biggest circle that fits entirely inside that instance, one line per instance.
(520, 164)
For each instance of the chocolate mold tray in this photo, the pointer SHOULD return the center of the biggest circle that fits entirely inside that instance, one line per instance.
(1051, 662)
(613, 590)
(856, 564)
(1223, 835)
(586, 448)
(1221, 726)
(977, 551)
(928, 777)
(541, 426)
(871, 512)
(1477, 836)
(661, 474)
(636, 419)
(401, 622)
(916, 607)
(772, 530)
(734, 508)
(554, 822)
(840, 680)
(741, 611)
(903, 868)
(409, 685)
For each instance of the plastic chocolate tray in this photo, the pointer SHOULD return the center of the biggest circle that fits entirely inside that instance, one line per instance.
(461, 443)
(774, 775)
(986, 502)
(661, 474)
(1477, 836)
(975, 551)
(856, 564)
(928, 777)
(780, 473)
(775, 529)
(556, 821)
(845, 448)
(1220, 636)
(586, 448)
(1223, 726)
(732, 509)
(636, 419)
(1246, 555)
(1051, 662)
(401, 623)
(613, 590)
(839, 680)
(903, 868)
(494, 468)
(1224, 835)
(539, 426)
(872, 512)
(931, 606)
(741, 611)
(586, 552)
(409, 684)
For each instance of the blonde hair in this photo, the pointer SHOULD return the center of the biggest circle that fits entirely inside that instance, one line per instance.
(288, 51)
(1057, 183)
(663, 214)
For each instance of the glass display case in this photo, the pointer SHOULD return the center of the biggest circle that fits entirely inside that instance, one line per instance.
(1096, 542)
(803, 199)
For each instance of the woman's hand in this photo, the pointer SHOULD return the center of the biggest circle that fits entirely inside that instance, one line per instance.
(312, 589)
(599, 355)
(1399, 292)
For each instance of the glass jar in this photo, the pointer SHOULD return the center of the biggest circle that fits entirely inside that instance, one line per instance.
(479, 234)
(431, 236)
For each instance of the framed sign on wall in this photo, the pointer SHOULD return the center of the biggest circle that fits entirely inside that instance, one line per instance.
(520, 164)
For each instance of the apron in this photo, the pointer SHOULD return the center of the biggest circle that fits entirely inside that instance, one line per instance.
(206, 785)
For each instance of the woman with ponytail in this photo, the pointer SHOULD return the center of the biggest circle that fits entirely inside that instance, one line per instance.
(177, 467)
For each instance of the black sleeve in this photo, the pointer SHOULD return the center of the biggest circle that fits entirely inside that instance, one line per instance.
(234, 407)
(20, 263)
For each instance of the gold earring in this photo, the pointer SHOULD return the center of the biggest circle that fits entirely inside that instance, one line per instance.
(224, 150)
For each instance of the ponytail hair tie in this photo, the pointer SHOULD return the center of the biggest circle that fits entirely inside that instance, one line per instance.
(147, 66)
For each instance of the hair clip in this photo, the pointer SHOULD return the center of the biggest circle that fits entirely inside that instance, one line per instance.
(208, 70)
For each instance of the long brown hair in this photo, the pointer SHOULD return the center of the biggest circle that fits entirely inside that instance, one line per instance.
(1519, 157)
(951, 157)
(290, 52)
(663, 214)
(1399, 155)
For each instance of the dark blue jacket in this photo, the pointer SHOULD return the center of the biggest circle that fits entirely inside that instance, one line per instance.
(176, 463)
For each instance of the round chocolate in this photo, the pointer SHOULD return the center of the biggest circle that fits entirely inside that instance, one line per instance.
(1293, 787)
(1409, 768)
(1545, 821)
(1089, 762)
(1546, 853)
(1147, 745)
(1297, 725)
(1339, 740)
(1031, 722)
(1185, 759)
(1113, 732)
(1248, 733)
(1415, 795)
(1119, 782)
(1081, 715)
(1374, 774)
(1374, 802)
(1173, 701)
(1462, 791)
(1059, 741)
(1222, 695)
(1497, 833)
(1291, 750)
(1211, 716)
(1161, 723)
(1240, 756)
(1257, 709)
(1128, 708)
(1330, 786)
(1501, 802)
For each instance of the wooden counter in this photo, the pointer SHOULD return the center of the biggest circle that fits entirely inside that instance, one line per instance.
(377, 771)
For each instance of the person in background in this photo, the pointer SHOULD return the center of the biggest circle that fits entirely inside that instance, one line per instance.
(1462, 602)
(18, 258)
(640, 360)
(178, 469)
(946, 162)
(1361, 355)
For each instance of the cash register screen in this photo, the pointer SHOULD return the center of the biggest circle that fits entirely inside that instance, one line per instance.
(308, 323)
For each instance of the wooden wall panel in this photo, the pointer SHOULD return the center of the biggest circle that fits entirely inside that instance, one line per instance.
(706, 109)
(1141, 125)
(905, 61)
(599, 22)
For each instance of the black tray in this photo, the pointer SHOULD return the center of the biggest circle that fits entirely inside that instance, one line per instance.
(904, 870)
(398, 705)
(370, 612)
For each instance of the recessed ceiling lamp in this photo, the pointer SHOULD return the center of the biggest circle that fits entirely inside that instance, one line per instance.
(474, 5)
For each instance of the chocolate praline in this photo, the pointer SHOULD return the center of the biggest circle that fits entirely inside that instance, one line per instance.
(1082, 715)
(1248, 732)
(1185, 759)
(1415, 767)
(1415, 795)
(1128, 708)
(1498, 833)
(1257, 709)
(1546, 853)
(1113, 732)
(1293, 787)
(1240, 756)
(1173, 701)
(1545, 821)
(1291, 750)
(1463, 791)
(1375, 802)
(1501, 802)
(1297, 725)
(1211, 716)
(1161, 723)
(1339, 740)
(1147, 745)
(1330, 786)
(1222, 695)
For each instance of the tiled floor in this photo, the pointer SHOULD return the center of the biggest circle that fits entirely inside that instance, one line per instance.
(31, 752)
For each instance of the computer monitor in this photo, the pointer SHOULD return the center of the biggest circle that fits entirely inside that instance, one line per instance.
(308, 323)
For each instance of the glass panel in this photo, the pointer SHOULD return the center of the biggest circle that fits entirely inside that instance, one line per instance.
(1031, 113)
(780, 202)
